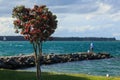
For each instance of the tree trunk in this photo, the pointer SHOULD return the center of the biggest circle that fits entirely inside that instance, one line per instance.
(40, 57)
(37, 56)
(38, 70)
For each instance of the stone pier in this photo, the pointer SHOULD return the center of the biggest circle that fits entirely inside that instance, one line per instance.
(24, 61)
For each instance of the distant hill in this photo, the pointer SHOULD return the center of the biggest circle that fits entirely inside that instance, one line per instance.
(12, 38)
(81, 39)
(21, 38)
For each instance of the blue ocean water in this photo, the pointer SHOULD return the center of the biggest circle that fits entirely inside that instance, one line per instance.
(94, 67)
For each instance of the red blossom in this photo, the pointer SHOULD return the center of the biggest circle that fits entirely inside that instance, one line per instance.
(44, 17)
(35, 31)
(27, 37)
(17, 22)
(36, 23)
(16, 31)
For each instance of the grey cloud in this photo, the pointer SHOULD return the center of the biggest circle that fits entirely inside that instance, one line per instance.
(61, 6)
(6, 6)
(76, 8)
(115, 5)
(71, 6)
(86, 6)
(56, 2)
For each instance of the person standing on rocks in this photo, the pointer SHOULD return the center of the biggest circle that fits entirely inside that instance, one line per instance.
(91, 47)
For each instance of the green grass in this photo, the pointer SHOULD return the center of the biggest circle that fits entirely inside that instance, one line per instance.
(22, 75)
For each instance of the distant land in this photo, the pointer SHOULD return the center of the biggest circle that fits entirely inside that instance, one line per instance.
(21, 38)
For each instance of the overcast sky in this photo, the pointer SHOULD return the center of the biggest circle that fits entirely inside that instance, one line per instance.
(76, 18)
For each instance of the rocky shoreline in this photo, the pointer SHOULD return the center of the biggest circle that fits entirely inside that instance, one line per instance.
(24, 61)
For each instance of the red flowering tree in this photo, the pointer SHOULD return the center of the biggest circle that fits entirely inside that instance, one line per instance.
(36, 25)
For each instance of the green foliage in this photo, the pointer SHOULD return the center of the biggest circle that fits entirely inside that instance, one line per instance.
(20, 75)
(35, 24)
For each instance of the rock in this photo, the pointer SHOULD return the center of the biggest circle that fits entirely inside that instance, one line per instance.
(24, 61)
(2, 64)
(48, 57)
(21, 54)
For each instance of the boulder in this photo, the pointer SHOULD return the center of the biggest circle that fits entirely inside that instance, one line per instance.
(24, 61)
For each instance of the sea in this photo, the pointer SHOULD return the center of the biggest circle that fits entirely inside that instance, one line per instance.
(93, 67)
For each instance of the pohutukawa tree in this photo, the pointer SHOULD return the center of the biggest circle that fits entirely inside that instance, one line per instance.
(36, 25)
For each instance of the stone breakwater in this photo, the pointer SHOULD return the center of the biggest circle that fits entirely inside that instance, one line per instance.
(24, 61)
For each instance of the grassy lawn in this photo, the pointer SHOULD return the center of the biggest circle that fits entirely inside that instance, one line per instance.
(22, 75)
